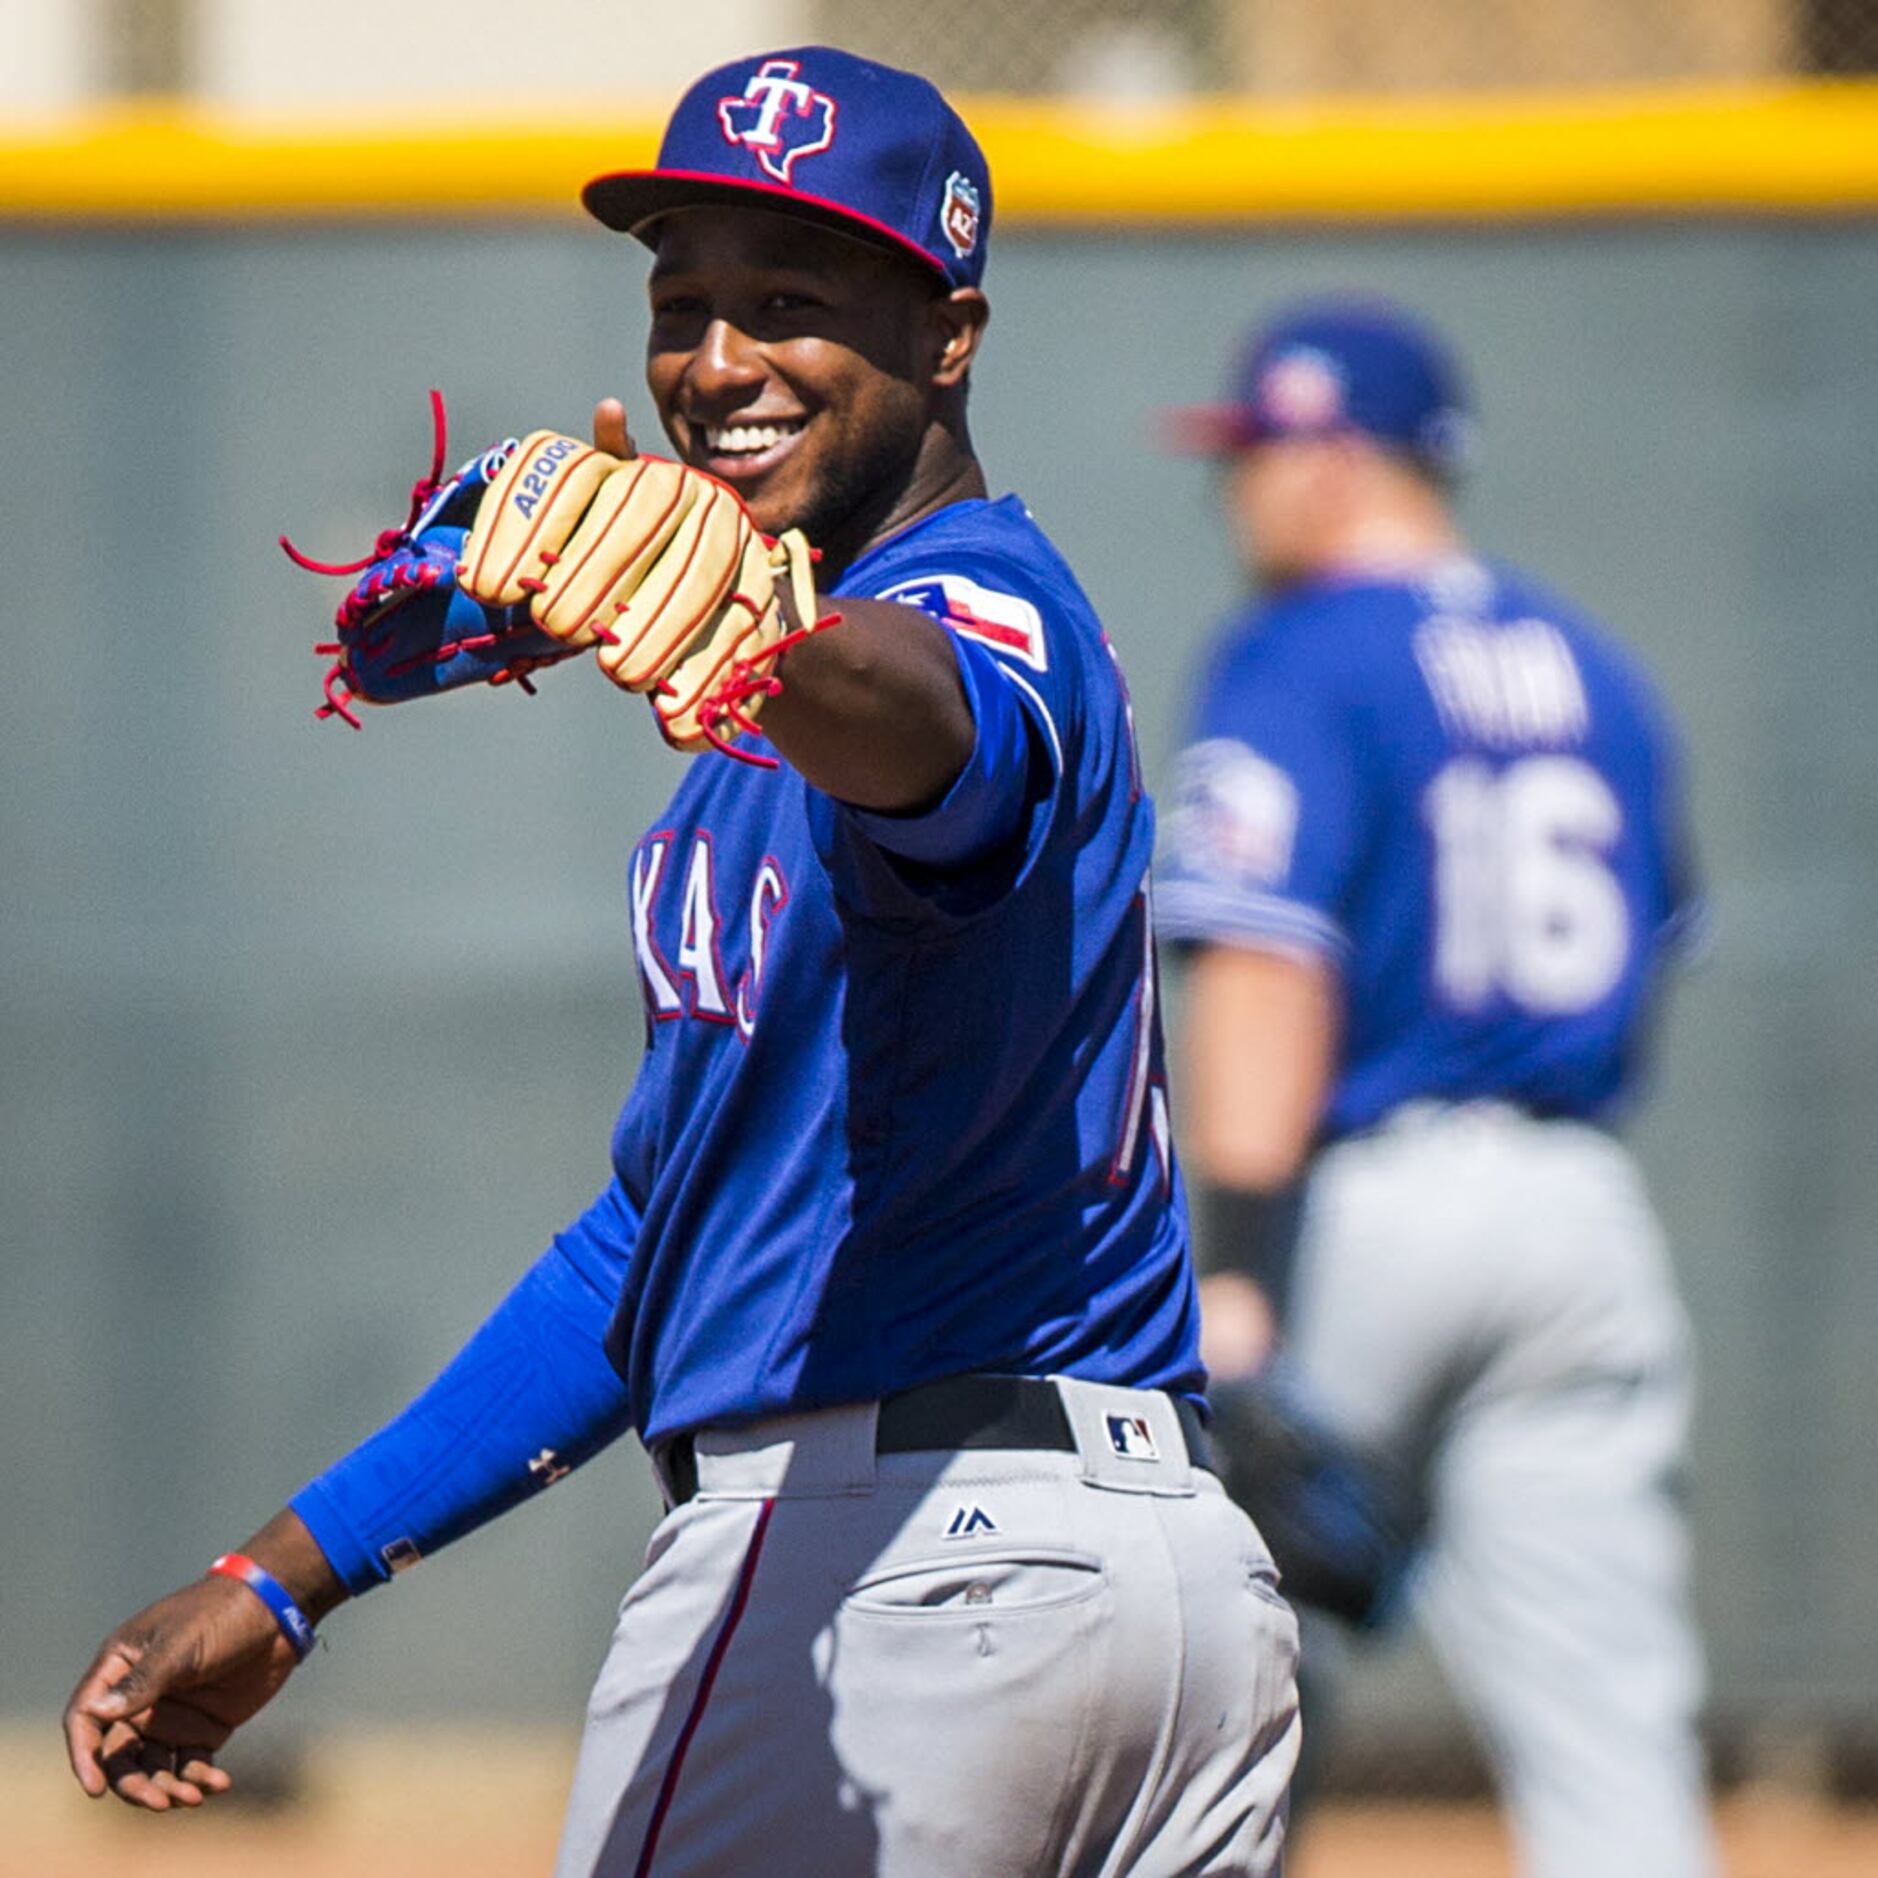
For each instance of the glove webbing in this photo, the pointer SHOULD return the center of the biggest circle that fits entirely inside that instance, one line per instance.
(336, 683)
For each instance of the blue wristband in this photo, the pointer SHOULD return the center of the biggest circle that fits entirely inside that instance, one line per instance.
(294, 1623)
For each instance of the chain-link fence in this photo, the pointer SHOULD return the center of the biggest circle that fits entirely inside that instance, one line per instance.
(1300, 47)
(1261, 48)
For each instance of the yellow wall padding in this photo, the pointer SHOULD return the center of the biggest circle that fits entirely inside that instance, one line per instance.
(1801, 148)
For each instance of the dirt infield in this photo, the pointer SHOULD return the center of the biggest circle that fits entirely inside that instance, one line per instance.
(482, 1806)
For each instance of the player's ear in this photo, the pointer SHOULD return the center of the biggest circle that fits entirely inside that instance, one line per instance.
(956, 323)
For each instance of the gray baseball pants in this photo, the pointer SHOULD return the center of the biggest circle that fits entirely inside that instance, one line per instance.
(1486, 1298)
(975, 1664)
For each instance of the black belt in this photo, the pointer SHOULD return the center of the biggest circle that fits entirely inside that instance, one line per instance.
(959, 1412)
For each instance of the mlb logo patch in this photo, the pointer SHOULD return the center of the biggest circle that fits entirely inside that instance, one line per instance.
(1132, 1438)
(779, 119)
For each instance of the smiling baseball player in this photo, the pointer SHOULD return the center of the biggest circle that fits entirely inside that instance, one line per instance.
(1426, 847)
(892, 1277)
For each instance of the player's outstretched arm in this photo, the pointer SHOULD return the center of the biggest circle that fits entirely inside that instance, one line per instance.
(874, 713)
(166, 1689)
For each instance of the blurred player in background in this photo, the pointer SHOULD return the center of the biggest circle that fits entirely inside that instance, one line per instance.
(1424, 848)
(892, 1273)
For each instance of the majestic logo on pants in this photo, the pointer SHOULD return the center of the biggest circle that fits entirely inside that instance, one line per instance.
(970, 1522)
(778, 119)
(1132, 1438)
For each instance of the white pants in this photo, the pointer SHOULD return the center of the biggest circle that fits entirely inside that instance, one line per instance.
(983, 1664)
(1486, 1299)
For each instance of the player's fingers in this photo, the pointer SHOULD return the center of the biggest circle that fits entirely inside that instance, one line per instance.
(609, 429)
(183, 1791)
(99, 1703)
(84, 1738)
(143, 1674)
(195, 1766)
(131, 1765)
(113, 1687)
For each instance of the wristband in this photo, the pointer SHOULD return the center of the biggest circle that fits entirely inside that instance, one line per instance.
(1254, 1234)
(294, 1623)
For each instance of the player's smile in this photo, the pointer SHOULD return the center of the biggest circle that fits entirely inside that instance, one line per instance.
(749, 446)
(746, 450)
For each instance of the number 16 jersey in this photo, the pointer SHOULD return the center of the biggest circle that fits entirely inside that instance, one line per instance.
(1466, 799)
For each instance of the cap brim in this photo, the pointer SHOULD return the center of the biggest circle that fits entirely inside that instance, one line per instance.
(1208, 429)
(629, 199)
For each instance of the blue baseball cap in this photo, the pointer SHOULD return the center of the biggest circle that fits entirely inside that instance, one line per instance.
(1339, 365)
(817, 133)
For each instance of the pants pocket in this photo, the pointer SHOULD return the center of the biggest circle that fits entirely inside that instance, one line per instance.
(1034, 1579)
(963, 1691)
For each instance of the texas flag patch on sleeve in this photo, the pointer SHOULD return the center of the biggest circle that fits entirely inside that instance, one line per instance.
(1002, 621)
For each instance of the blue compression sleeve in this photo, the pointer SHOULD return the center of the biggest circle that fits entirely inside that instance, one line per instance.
(986, 803)
(529, 1397)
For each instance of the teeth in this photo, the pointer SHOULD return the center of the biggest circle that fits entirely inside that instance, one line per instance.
(747, 439)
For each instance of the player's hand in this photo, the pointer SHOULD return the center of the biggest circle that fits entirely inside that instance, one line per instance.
(655, 566)
(1237, 1326)
(168, 1688)
(609, 429)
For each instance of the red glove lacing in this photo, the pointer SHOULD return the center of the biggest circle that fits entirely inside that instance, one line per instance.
(373, 594)
(390, 540)
(748, 680)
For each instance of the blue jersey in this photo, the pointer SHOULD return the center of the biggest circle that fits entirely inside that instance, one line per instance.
(1464, 796)
(895, 1120)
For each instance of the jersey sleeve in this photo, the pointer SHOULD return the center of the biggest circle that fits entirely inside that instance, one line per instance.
(982, 809)
(1262, 823)
(974, 846)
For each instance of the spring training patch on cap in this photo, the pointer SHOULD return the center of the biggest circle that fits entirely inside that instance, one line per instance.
(1301, 390)
(779, 119)
(959, 214)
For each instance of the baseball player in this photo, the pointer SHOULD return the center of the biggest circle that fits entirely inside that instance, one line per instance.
(1424, 847)
(892, 1275)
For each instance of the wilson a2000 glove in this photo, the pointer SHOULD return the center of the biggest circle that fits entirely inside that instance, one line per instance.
(657, 567)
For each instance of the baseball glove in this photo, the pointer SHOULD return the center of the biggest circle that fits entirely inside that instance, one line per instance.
(407, 629)
(657, 567)
(1342, 1527)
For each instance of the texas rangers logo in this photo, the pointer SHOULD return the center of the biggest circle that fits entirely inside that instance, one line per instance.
(959, 214)
(1301, 389)
(1132, 1438)
(779, 118)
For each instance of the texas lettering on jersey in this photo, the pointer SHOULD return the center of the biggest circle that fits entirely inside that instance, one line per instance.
(697, 981)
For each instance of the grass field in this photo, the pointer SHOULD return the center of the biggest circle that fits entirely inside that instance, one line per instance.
(436, 1805)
